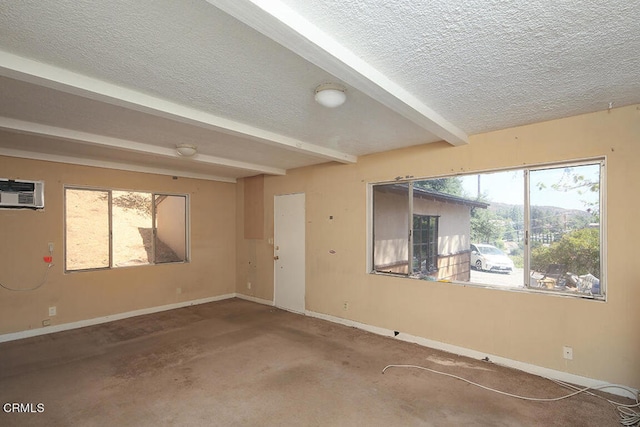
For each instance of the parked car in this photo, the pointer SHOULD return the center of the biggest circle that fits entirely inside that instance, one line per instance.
(490, 258)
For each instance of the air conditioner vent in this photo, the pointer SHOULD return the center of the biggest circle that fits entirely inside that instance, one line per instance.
(26, 198)
(15, 186)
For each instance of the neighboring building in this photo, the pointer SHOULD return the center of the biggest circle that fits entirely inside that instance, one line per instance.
(440, 229)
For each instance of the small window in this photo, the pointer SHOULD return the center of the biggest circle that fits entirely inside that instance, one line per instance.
(536, 228)
(425, 243)
(109, 228)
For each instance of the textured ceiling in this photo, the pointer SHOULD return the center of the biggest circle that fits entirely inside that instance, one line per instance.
(34, 104)
(134, 78)
(492, 64)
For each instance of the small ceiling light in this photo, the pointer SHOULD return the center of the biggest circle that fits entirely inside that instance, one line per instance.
(330, 95)
(186, 150)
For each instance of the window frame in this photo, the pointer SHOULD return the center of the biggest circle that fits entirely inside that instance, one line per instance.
(109, 191)
(601, 160)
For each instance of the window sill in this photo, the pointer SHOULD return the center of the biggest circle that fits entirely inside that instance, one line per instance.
(522, 289)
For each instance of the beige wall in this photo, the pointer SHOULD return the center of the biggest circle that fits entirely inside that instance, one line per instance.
(526, 327)
(254, 207)
(24, 235)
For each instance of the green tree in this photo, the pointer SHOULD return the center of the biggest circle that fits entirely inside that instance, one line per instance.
(545, 219)
(486, 227)
(578, 251)
(517, 255)
(451, 185)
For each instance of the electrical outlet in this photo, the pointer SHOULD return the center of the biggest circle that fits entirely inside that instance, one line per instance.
(248, 285)
(567, 353)
(345, 305)
(52, 311)
(51, 246)
(46, 322)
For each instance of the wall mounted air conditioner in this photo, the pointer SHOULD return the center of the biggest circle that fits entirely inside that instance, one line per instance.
(21, 194)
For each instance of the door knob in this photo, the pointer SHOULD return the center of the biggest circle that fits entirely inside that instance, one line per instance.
(276, 257)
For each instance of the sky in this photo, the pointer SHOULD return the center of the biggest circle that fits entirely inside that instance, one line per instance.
(508, 187)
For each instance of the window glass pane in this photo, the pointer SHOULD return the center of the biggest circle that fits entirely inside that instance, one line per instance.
(565, 229)
(132, 231)
(437, 202)
(483, 209)
(391, 228)
(497, 231)
(86, 229)
(417, 222)
(171, 232)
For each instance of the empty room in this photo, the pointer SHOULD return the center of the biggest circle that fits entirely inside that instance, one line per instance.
(248, 212)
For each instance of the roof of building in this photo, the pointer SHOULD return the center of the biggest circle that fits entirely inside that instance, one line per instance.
(436, 195)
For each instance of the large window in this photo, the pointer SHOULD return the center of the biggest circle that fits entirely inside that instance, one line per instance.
(536, 228)
(109, 228)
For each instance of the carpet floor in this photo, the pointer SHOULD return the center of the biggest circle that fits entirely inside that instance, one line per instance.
(237, 363)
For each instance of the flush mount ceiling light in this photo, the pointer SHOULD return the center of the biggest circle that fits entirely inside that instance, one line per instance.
(330, 95)
(186, 150)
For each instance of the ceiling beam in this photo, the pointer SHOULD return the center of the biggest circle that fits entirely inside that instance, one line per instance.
(27, 70)
(24, 154)
(31, 128)
(277, 21)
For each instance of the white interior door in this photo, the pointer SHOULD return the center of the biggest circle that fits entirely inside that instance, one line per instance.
(289, 251)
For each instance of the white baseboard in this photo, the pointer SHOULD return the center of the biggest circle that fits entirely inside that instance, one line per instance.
(617, 389)
(254, 299)
(98, 320)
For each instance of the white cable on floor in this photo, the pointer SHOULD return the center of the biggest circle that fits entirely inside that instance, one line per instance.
(629, 417)
(44, 280)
